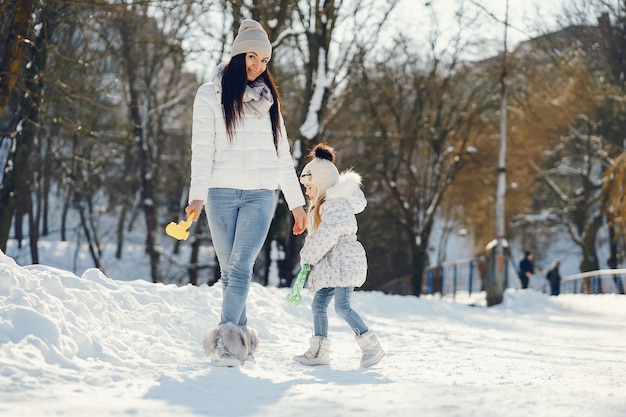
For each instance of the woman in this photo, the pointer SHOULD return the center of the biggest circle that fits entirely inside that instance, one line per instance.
(240, 157)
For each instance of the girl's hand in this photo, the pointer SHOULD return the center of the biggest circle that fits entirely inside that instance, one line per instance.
(299, 217)
(195, 206)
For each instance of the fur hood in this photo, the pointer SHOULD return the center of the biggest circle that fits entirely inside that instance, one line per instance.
(349, 188)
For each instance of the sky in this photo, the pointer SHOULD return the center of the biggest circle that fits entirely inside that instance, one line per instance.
(88, 345)
(416, 19)
(482, 22)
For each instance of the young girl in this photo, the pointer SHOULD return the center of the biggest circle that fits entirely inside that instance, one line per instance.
(337, 259)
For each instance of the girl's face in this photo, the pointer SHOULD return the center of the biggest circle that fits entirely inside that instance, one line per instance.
(256, 64)
(311, 191)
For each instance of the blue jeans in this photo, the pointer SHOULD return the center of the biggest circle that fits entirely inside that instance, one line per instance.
(321, 300)
(239, 221)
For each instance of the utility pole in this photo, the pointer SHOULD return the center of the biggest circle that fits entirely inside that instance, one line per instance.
(495, 290)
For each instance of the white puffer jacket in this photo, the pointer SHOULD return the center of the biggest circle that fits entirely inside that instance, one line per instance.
(249, 162)
(336, 257)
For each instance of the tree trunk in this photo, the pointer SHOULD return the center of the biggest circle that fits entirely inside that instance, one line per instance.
(590, 254)
(79, 200)
(139, 136)
(21, 208)
(418, 262)
(121, 221)
(64, 212)
(33, 231)
(24, 104)
(16, 26)
(45, 189)
(612, 261)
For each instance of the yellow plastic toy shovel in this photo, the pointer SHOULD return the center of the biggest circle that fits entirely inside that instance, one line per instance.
(179, 231)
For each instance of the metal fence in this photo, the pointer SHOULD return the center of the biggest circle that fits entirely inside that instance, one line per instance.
(445, 279)
(470, 276)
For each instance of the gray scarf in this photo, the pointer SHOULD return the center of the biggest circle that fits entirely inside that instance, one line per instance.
(257, 99)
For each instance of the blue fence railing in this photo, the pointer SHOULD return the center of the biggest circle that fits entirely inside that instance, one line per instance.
(470, 276)
(445, 279)
(450, 277)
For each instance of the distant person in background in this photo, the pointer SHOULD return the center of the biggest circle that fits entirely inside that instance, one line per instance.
(526, 269)
(554, 278)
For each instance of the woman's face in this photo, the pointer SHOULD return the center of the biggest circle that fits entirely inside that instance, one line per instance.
(256, 64)
(311, 191)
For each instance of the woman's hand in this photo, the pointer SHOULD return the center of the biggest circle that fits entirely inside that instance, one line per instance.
(299, 217)
(194, 207)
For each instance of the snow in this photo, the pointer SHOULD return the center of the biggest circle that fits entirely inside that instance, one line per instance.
(90, 345)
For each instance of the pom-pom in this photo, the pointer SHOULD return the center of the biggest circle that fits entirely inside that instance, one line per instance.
(323, 151)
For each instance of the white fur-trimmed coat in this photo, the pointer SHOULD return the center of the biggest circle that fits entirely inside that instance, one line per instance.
(337, 258)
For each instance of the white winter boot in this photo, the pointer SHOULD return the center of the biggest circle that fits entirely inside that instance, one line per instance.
(372, 352)
(318, 353)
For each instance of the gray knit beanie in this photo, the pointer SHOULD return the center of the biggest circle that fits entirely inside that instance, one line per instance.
(251, 37)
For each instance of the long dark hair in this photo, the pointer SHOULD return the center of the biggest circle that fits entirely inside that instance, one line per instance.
(234, 81)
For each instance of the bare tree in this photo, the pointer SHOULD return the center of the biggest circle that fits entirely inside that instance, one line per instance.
(614, 207)
(148, 44)
(16, 28)
(416, 118)
(27, 28)
(314, 43)
(613, 29)
(330, 40)
(576, 86)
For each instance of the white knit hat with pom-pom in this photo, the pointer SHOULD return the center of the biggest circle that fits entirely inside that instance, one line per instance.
(321, 171)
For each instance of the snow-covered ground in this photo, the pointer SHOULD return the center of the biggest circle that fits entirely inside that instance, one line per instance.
(89, 345)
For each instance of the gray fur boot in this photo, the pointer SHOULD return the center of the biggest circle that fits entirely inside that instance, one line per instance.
(227, 345)
(318, 353)
(253, 342)
(372, 352)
